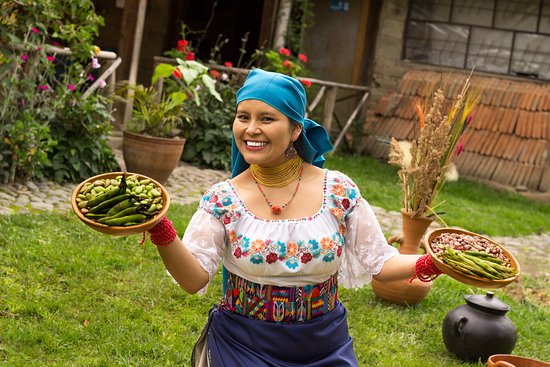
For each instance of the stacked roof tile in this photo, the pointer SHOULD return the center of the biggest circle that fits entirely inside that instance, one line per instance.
(508, 140)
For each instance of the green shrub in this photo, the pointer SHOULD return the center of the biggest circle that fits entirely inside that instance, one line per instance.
(209, 143)
(81, 131)
(48, 130)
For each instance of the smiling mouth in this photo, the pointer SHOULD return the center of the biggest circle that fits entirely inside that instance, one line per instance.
(255, 144)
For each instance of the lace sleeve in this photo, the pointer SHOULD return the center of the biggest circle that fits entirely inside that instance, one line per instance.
(366, 249)
(205, 238)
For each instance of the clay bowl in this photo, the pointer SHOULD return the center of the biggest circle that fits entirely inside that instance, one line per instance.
(120, 230)
(508, 360)
(466, 278)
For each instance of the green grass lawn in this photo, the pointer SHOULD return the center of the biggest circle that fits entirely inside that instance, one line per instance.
(70, 296)
(475, 207)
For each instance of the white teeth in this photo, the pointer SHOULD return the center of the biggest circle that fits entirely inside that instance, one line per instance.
(255, 143)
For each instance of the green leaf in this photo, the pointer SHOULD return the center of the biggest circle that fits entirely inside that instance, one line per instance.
(209, 83)
(178, 97)
(162, 70)
(189, 75)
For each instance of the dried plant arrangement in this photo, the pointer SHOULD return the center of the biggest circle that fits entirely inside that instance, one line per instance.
(440, 139)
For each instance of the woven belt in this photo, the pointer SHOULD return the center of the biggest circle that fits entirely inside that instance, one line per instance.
(279, 304)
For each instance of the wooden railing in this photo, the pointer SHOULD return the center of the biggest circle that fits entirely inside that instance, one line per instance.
(328, 91)
(109, 68)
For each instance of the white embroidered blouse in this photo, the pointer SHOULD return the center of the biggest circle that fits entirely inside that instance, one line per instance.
(344, 236)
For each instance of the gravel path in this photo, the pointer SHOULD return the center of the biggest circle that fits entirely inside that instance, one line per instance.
(187, 184)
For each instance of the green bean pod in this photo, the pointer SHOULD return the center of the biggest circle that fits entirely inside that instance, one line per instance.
(123, 220)
(124, 204)
(106, 195)
(107, 204)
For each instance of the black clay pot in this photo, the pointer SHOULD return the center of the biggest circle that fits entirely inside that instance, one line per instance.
(479, 328)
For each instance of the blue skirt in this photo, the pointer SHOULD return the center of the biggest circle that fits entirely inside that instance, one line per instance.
(235, 340)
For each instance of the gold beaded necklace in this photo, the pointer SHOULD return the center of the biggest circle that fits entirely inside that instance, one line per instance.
(278, 176)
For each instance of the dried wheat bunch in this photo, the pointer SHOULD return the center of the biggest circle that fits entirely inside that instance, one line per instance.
(439, 141)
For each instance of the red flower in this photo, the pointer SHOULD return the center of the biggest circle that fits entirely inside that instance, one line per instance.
(339, 251)
(229, 64)
(306, 258)
(287, 64)
(215, 74)
(271, 258)
(226, 220)
(306, 82)
(284, 51)
(50, 58)
(182, 44)
(237, 252)
(177, 73)
(345, 203)
(303, 58)
(190, 56)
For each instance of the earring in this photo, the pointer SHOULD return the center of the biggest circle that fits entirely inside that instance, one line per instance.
(291, 152)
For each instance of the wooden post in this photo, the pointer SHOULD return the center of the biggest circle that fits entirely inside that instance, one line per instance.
(328, 110)
(135, 58)
(350, 120)
(316, 100)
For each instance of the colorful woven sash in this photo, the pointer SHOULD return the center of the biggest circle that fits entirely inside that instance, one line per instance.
(279, 304)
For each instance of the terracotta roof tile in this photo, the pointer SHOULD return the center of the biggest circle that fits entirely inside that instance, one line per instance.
(535, 178)
(537, 156)
(382, 105)
(500, 118)
(507, 141)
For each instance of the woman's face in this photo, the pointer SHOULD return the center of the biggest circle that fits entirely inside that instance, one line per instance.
(262, 133)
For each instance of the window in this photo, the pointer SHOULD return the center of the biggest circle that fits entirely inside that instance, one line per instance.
(497, 36)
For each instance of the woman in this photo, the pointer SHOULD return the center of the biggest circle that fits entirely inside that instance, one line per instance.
(287, 232)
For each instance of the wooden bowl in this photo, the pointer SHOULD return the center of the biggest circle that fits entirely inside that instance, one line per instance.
(120, 230)
(509, 360)
(466, 278)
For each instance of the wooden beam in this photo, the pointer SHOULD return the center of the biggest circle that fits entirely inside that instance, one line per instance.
(360, 43)
(269, 21)
(127, 29)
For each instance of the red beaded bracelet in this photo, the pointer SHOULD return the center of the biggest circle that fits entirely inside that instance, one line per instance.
(163, 233)
(425, 269)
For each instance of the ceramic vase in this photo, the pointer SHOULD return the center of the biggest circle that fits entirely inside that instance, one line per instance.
(403, 292)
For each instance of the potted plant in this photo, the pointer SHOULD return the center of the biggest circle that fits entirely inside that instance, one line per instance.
(154, 138)
(439, 141)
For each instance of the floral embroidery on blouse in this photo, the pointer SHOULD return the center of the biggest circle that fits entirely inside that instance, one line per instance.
(343, 195)
(340, 196)
(291, 254)
(219, 202)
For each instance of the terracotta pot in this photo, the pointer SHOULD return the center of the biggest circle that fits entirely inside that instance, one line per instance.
(413, 231)
(508, 360)
(402, 292)
(151, 156)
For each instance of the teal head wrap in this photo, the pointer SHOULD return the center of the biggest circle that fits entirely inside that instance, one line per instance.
(288, 96)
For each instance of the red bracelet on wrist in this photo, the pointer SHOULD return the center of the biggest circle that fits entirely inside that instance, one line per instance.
(425, 270)
(163, 232)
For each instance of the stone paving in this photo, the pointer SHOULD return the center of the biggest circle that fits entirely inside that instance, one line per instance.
(187, 184)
